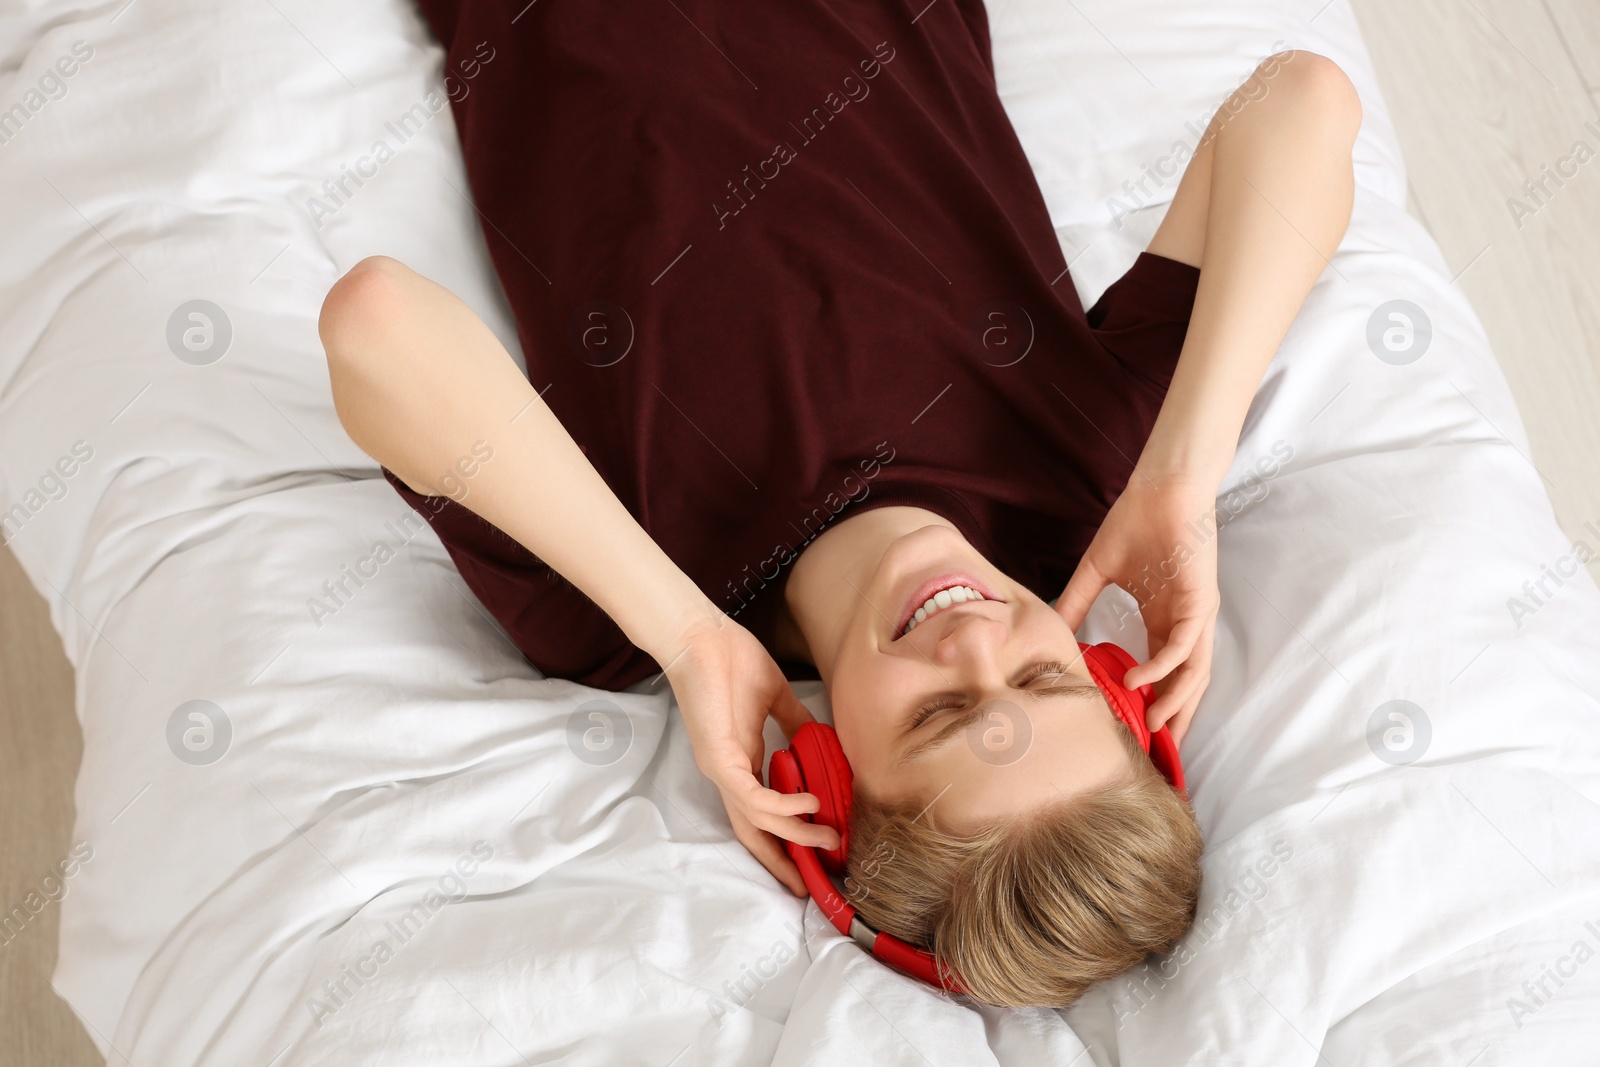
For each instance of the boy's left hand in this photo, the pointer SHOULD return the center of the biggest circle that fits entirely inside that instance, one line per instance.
(1147, 546)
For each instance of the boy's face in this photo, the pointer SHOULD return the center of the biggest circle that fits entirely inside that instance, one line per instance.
(985, 707)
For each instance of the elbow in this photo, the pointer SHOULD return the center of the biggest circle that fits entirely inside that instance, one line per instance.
(1321, 87)
(356, 324)
(359, 308)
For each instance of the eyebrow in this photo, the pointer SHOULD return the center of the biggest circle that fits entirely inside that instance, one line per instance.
(947, 732)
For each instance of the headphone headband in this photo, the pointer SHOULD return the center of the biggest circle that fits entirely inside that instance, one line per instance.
(815, 763)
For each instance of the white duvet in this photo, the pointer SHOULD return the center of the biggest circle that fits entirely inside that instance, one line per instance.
(380, 838)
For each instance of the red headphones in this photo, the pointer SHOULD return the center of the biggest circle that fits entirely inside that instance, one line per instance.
(814, 763)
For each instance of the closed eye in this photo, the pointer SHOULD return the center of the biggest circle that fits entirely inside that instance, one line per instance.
(956, 699)
(1032, 673)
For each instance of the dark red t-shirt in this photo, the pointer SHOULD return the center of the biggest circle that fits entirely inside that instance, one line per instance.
(776, 263)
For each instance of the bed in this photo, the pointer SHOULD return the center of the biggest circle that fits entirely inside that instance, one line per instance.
(328, 814)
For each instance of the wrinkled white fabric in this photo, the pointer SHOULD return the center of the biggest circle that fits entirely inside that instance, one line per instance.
(414, 850)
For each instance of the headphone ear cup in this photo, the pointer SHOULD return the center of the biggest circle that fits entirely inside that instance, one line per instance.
(1107, 665)
(814, 763)
(826, 775)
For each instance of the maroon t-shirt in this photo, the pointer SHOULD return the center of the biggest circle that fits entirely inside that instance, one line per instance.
(772, 264)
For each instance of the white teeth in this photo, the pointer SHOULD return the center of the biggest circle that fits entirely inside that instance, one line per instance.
(958, 594)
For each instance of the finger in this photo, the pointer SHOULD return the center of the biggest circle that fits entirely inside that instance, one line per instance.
(779, 813)
(1079, 595)
(788, 711)
(743, 791)
(775, 803)
(1178, 725)
(1174, 651)
(1177, 691)
(768, 850)
(801, 832)
(1203, 648)
(1180, 642)
(1183, 685)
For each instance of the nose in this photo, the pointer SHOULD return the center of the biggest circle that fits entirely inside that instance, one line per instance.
(970, 644)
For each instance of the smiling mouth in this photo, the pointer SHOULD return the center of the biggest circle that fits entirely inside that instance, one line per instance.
(940, 594)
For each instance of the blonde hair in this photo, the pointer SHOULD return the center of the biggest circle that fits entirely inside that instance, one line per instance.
(1037, 909)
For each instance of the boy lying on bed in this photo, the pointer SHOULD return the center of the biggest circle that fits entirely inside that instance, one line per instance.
(862, 424)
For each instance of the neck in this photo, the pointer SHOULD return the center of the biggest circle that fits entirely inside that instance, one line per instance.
(826, 582)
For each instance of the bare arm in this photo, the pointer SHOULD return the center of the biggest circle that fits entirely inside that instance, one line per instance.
(1260, 210)
(422, 384)
(1269, 202)
(442, 384)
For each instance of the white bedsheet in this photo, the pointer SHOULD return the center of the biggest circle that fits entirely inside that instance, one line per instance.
(1355, 911)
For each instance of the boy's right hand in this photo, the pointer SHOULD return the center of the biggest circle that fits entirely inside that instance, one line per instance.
(727, 685)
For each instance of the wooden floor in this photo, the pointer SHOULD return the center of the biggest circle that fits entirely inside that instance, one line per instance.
(39, 750)
(1487, 94)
